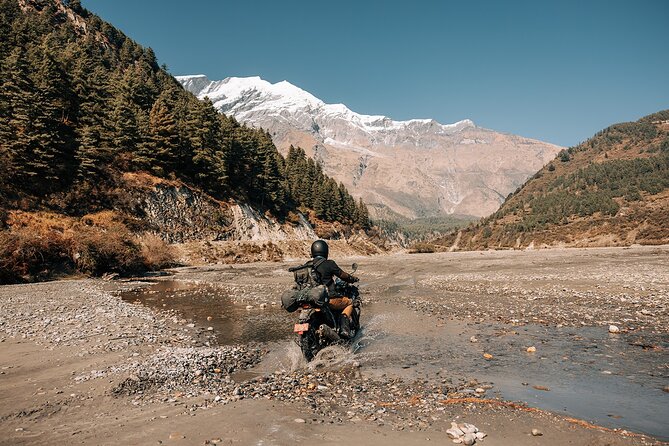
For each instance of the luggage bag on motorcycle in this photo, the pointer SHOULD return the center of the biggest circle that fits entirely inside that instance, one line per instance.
(292, 299)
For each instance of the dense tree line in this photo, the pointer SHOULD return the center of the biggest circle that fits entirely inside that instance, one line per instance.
(81, 103)
(312, 189)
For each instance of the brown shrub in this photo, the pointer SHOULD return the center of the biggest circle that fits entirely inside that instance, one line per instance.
(27, 255)
(422, 248)
(38, 246)
(98, 250)
(156, 253)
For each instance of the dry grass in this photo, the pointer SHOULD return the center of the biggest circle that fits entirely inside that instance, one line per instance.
(41, 245)
(422, 248)
(156, 253)
(27, 255)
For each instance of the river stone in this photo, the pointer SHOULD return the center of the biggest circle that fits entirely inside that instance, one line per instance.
(467, 428)
(300, 420)
(537, 433)
(480, 435)
(454, 432)
(471, 428)
(614, 329)
(469, 439)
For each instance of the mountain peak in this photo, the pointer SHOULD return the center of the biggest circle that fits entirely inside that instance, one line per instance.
(236, 95)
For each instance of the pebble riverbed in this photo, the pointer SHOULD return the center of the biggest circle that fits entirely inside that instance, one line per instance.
(183, 369)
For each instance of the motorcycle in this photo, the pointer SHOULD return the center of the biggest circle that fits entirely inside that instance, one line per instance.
(318, 324)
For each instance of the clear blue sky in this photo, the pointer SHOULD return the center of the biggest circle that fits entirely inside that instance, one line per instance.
(558, 71)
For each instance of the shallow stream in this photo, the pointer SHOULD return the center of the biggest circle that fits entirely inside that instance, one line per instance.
(613, 380)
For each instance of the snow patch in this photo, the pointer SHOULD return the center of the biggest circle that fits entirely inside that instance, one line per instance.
(240, 95)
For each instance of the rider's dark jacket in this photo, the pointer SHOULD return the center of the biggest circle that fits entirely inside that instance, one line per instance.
(328, 269)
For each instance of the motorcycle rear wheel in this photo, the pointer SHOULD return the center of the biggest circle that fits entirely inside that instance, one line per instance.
(308, 345)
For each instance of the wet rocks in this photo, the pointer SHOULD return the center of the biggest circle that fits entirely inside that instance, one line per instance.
(614, 329)
(338, 395)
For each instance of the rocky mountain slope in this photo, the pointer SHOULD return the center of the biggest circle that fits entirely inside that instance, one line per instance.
(611, 190)
(415, 168)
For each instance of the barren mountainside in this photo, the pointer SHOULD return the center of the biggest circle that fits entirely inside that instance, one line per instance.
(415, 168)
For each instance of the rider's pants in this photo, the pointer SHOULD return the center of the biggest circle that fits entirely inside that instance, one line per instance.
(342, 303)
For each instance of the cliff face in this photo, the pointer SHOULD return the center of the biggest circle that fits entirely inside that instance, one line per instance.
(178, 214)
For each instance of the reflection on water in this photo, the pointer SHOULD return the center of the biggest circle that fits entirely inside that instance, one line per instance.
(208, 306)
(611, 380)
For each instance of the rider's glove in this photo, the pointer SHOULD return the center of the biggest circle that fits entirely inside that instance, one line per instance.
(354, 279)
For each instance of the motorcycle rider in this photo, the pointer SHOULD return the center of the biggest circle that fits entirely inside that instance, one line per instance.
(327, 269)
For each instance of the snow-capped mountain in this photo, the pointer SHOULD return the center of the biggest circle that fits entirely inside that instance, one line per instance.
(413, 168)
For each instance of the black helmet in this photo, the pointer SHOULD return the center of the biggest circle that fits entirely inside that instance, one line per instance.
(319, 249)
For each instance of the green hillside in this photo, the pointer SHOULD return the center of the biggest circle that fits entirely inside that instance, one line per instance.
(612, 189)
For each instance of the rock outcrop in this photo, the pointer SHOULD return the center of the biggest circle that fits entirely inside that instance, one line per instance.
(178, 213)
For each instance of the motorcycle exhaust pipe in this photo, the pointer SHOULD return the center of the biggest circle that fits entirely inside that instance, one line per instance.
(329, 333)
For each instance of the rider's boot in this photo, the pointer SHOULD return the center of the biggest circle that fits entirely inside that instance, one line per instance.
(344, 326)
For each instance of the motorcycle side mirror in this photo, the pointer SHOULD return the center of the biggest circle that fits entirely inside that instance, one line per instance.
(354, 267)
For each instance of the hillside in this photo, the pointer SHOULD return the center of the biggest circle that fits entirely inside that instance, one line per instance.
(82, 107)
(411, 169)
(611, 190)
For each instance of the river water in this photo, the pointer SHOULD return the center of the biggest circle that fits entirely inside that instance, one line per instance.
(613, 380)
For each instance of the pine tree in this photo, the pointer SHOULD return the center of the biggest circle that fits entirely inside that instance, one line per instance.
(19, 107)
(208, 146)
(362, 214)
(125, 133)
(94, 137)
(160, 152)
